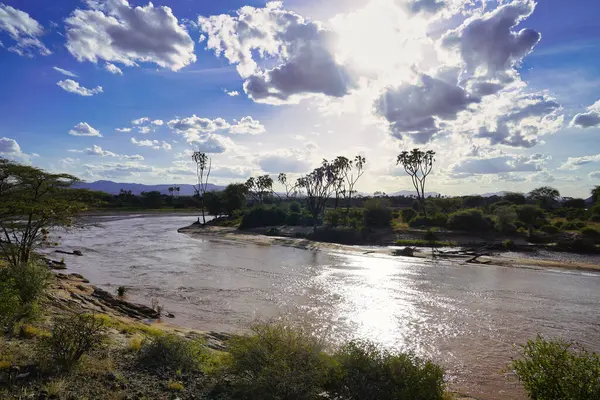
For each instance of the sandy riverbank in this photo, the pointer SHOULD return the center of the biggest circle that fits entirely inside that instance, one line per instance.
(233, 234)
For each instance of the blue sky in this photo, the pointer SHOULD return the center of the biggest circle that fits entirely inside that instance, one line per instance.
(505, 92)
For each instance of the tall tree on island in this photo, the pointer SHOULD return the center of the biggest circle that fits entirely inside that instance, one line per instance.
(319, 185)
(418, 165)
(203, 167)
(352, 179)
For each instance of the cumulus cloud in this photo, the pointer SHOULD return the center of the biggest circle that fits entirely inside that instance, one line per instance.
(9, 148)
(155, 144)
(419, 109)
(490, 43)
(123, 129)
(302, 50)
(114, 31)
(72, 86)
(158, 122)
(594, 175)
(192, 127)
(65, 72)
(211, 143)
(574, 163)
(24, 30)
(117, 170)
(113, 69)
(144, 130)
(498, 165)
(239, 172)
(84, 129)
(247, 125)
(588, 119)
(166, 146)
(100, 152)
(233, 93)
(140, 121)
(275, 164)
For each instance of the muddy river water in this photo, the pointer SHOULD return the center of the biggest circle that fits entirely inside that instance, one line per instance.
(469, 318)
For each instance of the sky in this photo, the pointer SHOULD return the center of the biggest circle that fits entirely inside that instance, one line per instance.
(507, 93)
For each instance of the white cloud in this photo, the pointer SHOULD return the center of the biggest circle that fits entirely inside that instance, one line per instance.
(193, 127)
(233, 93)
(247, 125)
(588, 119)
(302, 50)
(113, 69)
(65, 72)
(140, 121)
(123, 129)
(166, 146)
(594, 175)
(233, 172)
(114, 31)
(498, 165)
(84, 129)
(155, 144)
(100, 152)
(23, 29)
(574, 163)
(117, 170)
(70, 85)
(9, 148)
(210, 143)
(144, 130)
(158, 122)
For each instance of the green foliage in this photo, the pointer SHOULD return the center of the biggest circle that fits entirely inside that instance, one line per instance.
(32, 202)
(436, 220)
(473, 201)
(234, 197)
(573, 225)
(407, 214)
(263, 216)
(121, 291)
(277, 362)
(214, 204)
(591, 233)
(430, 236)
(470, 220)
(550, 229)
(559, 224)
(72, 337)
(418, 165)
(377, 213)
(574, 203)
(546, 197)
(361, 371)
(9, 304)
(531, 215)
(508, 244)
(294, 219)
(171, 352)
(555, 369)
(152, 199)
(506, 217)
(515, 198)
(596, 194)
(295, 207)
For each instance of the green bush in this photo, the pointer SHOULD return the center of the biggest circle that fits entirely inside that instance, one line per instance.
(470, 220)
(336, 217)
(508, 244)
(550, 229)
(293, 219)
(506, 217)
(263, 216)
(363, 372)
(555, 369)
(559, 224)
(171, 352)
(595, 218)
(573, 225)
(407, 214)
(590, 233)
(295, 207)
(276, 362)
(377, 213)
(531, 215)
(72, 337)
(435, 220)
(9, 305)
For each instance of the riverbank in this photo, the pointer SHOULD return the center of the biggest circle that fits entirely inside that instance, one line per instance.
(285, 237)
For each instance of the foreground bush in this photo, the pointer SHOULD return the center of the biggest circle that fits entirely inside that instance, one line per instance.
(361, 371)
(72, 337)
(276, 362)
(470, 220)
(171, 352)
(555, 369)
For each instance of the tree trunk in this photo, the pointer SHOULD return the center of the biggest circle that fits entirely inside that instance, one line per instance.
(202, 204)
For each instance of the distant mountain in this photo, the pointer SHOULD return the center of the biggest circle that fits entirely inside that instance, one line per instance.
(408, 193)
(137, 188)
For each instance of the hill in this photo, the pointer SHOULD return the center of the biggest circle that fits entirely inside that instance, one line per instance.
(137, 188)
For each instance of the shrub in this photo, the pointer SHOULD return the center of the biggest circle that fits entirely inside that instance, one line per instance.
(29, 279)
(505, 219)
(295, 207)
(363, 372)
(175, 386)
(293, 219)
(9, 304)
(430, 236)
(377, 213)
(508, 244)
(531, 215)
(550, 229)
(276, 362)
(263, 216)
(435, 220)
(336, 217)
(559, 224)
(469, 220)
(591, 233)
(595, 218)
(72, 337)
(555, 369)
(171, 352)
(573, 225)
(121, 291)
(407, 214)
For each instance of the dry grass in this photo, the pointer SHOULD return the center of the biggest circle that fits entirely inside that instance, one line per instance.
(175, 386)
(28, 331)
(399, 225)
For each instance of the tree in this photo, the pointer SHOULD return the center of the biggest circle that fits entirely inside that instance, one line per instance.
(546, 197)
(341, 168)
(596, 194)
(234, 198)
(260, 187)
(203, 167)
(291, 189)
(418, 165)
(515, 198)
(352, 179)
(214, 203)
(152, 199)
(33, 202)
(319, 186)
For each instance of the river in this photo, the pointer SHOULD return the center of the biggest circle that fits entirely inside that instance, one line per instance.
(469, 318)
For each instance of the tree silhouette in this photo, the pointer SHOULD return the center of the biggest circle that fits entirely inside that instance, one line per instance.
(418, 165)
